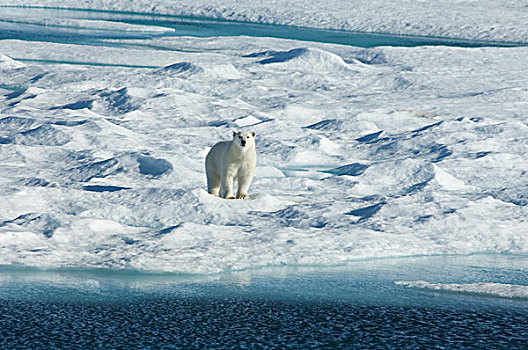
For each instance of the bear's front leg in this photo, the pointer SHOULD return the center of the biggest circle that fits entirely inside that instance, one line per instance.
(227, 187)
(242, 195)
(243, 185)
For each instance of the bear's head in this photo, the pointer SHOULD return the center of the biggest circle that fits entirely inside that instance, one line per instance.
(244, 139)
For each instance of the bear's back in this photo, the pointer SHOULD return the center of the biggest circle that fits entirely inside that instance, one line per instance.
(221, 147)
(218, 152)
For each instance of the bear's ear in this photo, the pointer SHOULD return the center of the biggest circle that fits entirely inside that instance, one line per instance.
(234, 132)
(253, 133)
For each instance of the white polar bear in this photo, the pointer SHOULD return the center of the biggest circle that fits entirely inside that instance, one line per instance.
(230, 161)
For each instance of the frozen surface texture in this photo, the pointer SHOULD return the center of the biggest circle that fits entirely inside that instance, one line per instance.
(363, 153)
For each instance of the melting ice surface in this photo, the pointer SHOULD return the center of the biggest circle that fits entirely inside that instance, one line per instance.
(82, 27)
(363, 152)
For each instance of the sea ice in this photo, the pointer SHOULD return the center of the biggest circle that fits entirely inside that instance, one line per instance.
(363, 153)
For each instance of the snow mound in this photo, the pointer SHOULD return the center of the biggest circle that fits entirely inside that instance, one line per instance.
(391, 178)
(25, 131)
(311, 59)
(44, 224)
(354, 169)
(13, 125)
(181, 69)
(44, 135)
(117, 102)
(7, 62)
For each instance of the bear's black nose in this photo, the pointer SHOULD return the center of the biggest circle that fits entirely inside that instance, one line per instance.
(243, 143)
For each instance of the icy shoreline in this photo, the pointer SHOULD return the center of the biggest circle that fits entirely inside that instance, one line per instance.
(502, 21)
(356, 305)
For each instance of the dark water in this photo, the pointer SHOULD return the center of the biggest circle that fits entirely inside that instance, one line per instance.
(192, 26)
(357, 306)
(244, 322)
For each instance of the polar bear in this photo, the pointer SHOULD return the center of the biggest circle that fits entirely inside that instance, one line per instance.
(230, 161)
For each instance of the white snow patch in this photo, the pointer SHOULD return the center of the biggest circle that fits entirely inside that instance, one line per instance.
(268, 171)
(448, 181)
(247, 121)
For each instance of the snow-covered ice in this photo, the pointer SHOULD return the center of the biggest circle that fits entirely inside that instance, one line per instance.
(500, 290)
(363, 153)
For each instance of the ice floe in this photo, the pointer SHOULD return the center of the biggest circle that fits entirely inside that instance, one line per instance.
(487, 289)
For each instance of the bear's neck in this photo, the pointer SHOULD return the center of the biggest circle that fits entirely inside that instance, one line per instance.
(239, 151)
